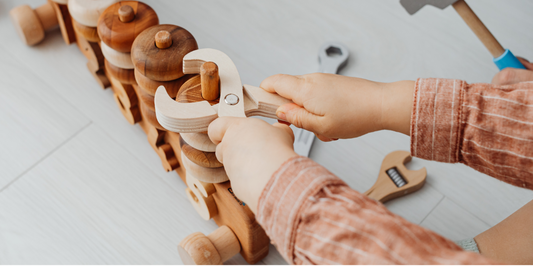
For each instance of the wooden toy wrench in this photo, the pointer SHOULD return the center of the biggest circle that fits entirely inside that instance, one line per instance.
(235, 99)
(395, 180)
(332, 56)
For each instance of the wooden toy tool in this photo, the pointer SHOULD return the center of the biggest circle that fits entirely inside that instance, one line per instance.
(235, 100)
(332, 57)
(503, 58)
(394, 180)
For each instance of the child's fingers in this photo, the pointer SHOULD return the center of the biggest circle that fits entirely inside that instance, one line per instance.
(299, 117)
(512, 75)
(217, 129)
(287, 86)
(526, 63)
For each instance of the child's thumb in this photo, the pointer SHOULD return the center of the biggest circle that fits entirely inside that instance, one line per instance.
(298, 116)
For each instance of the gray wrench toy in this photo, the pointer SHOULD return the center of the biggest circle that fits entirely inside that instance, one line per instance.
(332, 56)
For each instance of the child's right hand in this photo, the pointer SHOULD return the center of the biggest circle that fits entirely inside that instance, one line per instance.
(512, 75)
(334, 106)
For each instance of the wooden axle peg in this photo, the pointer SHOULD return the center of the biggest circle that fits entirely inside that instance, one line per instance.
(31, 24)
(126, 13)
(395, 180)
(163, 40)
(216, 248)
(210, 81)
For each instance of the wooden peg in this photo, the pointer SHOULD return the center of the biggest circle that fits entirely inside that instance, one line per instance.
(31, 24)
(477, 26)
(214, 249)
(386, 189)
(126, 13)
(163, 40)
(210, 81)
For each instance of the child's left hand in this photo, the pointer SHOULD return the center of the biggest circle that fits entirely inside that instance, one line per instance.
(251, 151)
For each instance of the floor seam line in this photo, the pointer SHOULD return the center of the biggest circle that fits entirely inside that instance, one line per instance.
(432, 209)
(46, 156)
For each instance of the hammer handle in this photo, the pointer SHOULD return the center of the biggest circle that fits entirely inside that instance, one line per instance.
(479, 28)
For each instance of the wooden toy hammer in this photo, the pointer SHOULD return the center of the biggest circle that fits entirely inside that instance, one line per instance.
(503, 58)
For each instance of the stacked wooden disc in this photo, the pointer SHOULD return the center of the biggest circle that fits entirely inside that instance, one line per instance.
(157, 56)
(85, 14)
(198, 152)
(118, 26)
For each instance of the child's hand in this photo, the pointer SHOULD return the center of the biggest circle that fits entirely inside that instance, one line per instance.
(251, 151)
(334, 106)
(512, 75)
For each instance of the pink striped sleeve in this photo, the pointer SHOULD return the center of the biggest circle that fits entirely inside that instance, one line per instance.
(487, 127)
(313, 217)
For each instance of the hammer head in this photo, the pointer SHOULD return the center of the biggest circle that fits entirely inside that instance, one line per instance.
(412, 6)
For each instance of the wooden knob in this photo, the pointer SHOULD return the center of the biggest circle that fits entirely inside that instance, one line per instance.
(210, 81)
(216, 248)
(126, 13)
(32, 24)
(121, 23)
(163, 40)
(158, 64)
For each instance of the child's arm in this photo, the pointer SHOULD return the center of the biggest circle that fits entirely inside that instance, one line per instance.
(312, 216)
(487, 127)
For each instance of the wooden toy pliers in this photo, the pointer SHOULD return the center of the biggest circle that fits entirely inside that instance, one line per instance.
(235, 99)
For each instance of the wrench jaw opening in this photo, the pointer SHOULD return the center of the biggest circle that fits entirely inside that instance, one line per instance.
(332, 56)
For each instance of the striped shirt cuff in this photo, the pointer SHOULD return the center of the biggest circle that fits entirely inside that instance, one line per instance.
(436, 119)
(286, 195)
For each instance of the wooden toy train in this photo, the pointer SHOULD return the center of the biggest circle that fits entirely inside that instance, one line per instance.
(128, 50)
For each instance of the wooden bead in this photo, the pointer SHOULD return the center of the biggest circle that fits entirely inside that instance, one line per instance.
(191, 91)
(122, 60)
(208, 175)
(87, 12)
(162, 64)
(89, 33)
(126, 13)
(122, 22)
(210, 81)
(201, 158)
(125, 76)
(163, 39)
(214, 249)
(150, 85)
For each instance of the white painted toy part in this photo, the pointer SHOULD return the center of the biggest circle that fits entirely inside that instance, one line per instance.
(122, 60)
(87, 12)
(199, 141)
(230, 81)
(207, 175)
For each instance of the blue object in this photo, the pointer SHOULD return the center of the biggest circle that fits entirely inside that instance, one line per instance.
(506, 60)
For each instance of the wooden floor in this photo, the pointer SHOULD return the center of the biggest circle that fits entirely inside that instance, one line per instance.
(79, 185)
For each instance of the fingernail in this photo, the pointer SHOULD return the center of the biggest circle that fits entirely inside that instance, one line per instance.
(334, 139)
(281, 115)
